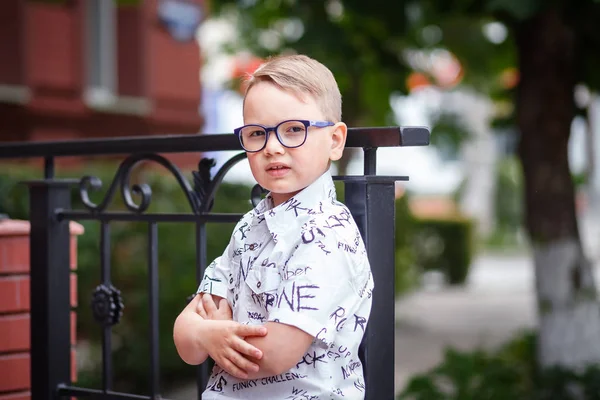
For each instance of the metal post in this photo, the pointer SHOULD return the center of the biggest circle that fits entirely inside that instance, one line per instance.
(370, 161)
(107, 362)
(48, 167)
(153, 295)
(204, 370)
(371, 200)
(50, 288)
(379, 349)
(355, 197)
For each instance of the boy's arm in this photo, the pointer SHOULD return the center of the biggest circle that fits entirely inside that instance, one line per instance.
(184, 334)
(274, 360)
(197, 338)
(282, 348)
(317, 303)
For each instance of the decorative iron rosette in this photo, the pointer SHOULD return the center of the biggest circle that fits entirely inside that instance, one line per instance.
(107, 305)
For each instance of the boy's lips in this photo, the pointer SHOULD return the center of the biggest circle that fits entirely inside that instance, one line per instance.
(277, 169)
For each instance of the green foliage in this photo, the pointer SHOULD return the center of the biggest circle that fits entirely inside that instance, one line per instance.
(370, 46)
(447, 134)
(14, 197)
(507, 373)
(446, 245)
(508, 200)
(366, 44)
(407, 274)
(128, 3)
(518, 9)
(360, 43)
(579, 179)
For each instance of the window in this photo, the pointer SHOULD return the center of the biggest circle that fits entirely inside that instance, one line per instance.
(101, 52)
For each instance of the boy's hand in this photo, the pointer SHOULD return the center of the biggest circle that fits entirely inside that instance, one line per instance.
(208, 309)
(224, 342)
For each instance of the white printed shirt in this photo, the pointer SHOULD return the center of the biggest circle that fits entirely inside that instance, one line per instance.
(302, 263)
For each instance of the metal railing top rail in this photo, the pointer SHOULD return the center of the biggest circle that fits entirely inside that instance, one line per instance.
(357, 137)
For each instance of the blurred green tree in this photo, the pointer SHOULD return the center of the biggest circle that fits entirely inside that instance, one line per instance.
(375, 47)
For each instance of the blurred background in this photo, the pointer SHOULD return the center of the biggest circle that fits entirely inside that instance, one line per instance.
(497, 230)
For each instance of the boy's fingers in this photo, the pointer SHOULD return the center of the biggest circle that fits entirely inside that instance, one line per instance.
(251, 330)
(246, 348)
(242, 363)
(232, 369)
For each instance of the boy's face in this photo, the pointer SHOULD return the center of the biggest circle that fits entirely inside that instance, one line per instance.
(286, 171)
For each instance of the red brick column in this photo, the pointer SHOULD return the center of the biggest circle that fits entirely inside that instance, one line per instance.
(14, 308)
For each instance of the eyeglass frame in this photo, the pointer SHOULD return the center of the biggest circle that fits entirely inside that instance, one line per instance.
(268, 129)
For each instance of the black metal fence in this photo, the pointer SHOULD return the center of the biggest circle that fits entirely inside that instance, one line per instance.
(369, 197)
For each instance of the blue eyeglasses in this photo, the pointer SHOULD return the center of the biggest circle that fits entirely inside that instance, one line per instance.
(290, 133)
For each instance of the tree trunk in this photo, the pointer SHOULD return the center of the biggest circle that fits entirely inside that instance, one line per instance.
(569, 316)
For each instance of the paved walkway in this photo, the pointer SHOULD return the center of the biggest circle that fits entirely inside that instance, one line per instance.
(497, 302)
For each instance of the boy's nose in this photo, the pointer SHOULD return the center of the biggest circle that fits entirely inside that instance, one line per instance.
(273, 145)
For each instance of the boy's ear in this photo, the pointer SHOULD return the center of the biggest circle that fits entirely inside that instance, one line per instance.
(338, 140)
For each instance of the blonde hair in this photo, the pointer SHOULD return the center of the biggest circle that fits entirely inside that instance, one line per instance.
(300, 74)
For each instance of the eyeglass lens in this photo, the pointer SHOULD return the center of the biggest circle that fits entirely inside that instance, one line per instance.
(291, 134)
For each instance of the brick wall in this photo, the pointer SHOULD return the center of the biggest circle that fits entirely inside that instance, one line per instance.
(14, 307)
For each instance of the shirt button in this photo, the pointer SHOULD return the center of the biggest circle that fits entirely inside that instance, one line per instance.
(258, 284)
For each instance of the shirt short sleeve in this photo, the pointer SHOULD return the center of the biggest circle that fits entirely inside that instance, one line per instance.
(319, 291)
(216, 275)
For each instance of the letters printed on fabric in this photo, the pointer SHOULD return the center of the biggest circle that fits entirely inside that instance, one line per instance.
(302, 263)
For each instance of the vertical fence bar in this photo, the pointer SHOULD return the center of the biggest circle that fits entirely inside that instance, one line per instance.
(107, 370)
(203, 370)
(372, 205)
(355, 194)
(50, 288)
(48, 167)
(379, 350)
(370, 160)
(153, 296)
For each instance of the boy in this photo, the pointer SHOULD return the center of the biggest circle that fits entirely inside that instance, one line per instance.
(283, 310)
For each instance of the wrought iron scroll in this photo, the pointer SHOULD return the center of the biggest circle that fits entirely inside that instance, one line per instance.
(122, 179)
(209, 186)
(256, 194)
(202, 179)
(200, 197)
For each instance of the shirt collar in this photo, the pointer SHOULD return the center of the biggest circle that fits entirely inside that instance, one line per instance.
(309, 201)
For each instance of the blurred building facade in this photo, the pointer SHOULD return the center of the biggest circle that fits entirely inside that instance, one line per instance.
(74, 69)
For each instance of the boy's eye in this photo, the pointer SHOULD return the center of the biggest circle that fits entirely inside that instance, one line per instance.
(256, 133)
(295, 129)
